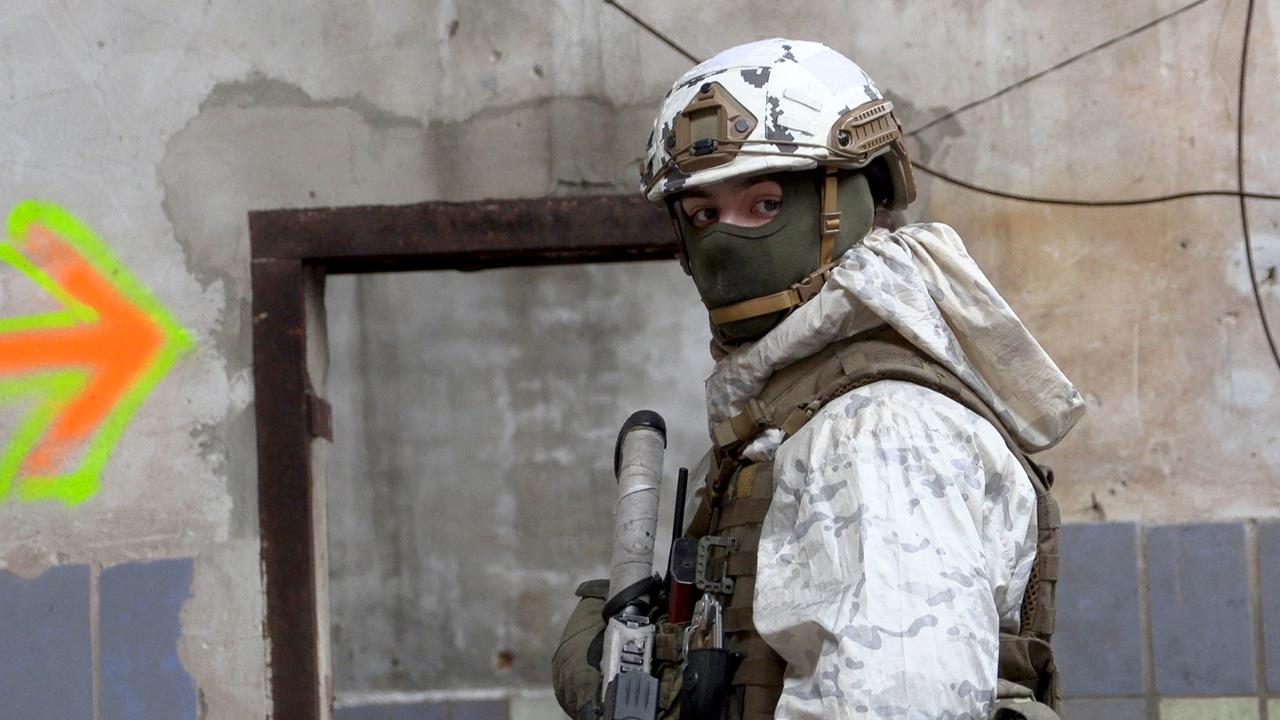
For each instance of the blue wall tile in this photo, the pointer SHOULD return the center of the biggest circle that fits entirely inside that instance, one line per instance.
(1269, 552)
(142, 676)
(46, 660)
(408, 711)
(1098, 641)
(1200, 623)
(1105, 709)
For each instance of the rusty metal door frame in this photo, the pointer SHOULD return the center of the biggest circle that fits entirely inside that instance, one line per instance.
(292, 252)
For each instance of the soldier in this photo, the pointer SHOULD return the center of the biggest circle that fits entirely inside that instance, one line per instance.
(892, 549)
(871, 408)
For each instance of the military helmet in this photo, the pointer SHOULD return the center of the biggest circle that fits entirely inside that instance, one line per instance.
(770, 106)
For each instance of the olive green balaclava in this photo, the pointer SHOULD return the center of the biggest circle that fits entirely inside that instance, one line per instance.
(731, 263)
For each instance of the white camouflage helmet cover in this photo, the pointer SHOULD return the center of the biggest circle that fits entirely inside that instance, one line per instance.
(790, 105)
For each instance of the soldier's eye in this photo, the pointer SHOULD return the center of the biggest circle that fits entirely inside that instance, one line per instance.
(703, 217)
(768, 206)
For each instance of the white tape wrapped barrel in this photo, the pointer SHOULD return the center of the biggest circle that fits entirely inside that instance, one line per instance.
(638, 465)
(628, 638)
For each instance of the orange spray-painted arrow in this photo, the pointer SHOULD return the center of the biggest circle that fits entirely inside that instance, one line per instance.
(93, 362)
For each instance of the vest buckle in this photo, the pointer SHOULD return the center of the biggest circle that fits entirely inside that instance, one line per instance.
(724, 584)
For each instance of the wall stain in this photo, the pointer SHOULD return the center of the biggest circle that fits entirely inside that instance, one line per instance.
(258, 91)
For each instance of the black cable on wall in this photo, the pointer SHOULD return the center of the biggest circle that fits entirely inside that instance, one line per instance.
(1244, 196)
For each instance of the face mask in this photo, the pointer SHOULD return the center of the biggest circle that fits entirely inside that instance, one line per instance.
(731, 263)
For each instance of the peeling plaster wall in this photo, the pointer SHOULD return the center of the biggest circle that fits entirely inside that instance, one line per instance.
(162, 123)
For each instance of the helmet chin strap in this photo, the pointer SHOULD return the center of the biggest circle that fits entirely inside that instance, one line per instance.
(799, 292)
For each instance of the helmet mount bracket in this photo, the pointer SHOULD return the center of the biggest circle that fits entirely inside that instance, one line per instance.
(707, 128)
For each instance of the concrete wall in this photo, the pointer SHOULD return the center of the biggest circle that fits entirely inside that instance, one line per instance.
(473, 485)
(475, 412)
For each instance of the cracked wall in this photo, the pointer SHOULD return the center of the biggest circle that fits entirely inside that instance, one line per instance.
(162, 124)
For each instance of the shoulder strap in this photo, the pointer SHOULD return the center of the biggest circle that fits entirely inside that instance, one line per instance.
(796, 393)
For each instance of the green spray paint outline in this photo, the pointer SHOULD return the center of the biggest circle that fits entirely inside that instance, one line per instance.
(57, 388)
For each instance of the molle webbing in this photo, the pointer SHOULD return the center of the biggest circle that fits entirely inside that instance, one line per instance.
(739, 493)
(740, 515)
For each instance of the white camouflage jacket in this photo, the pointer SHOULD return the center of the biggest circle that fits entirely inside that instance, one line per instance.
(902, 529)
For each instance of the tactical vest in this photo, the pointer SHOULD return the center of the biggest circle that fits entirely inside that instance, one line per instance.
(739, 491)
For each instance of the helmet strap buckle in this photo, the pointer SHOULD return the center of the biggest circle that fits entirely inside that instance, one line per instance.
(830, 220)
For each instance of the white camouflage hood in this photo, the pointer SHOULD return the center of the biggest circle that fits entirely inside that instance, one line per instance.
(921, 281)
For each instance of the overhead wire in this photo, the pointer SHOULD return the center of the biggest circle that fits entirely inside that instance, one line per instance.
(1039, 199)
(653, 31)
(1244, 196)
(1239, 193)
(1056, 66)
(1079, 202)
